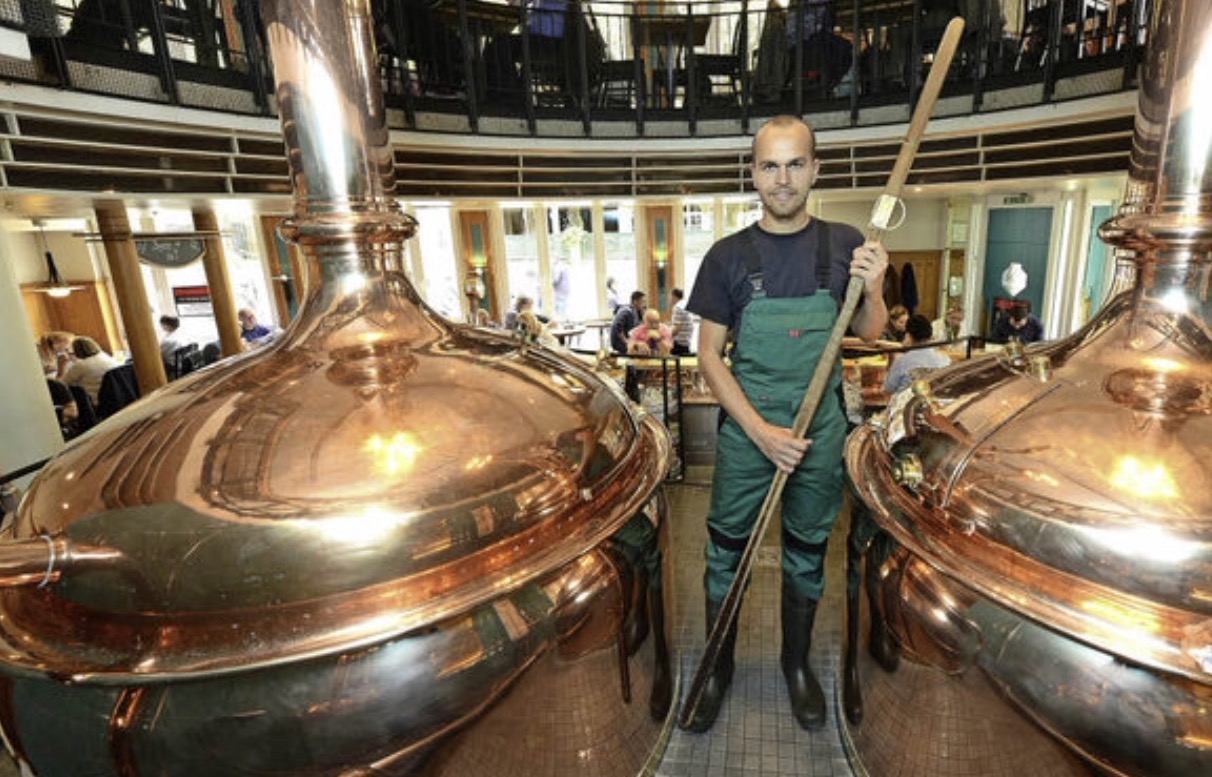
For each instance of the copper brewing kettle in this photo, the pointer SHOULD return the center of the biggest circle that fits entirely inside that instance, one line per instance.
(381, 545)
(1050, 507)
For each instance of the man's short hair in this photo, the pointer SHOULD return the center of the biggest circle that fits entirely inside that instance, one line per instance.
(636, 296)
(1020, 311)
(920, 328)
(677, 294)
(784, 120)
(172, 322)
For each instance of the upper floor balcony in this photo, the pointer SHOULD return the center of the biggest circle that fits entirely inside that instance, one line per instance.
(605, 68)
(471, 85)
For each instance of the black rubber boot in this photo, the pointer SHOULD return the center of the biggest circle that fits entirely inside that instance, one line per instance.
(661, 697)
(719, 679)
(807, 698)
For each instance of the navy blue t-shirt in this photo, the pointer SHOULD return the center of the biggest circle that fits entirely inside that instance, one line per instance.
(722, 288)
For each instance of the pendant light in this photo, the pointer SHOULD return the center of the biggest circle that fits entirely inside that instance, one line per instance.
(55, 285)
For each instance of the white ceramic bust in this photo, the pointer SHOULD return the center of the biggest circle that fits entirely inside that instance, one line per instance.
(1014, 279)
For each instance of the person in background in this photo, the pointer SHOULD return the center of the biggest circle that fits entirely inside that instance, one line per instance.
(1018, 324)
(484, 321)
(65, 405)
(521, 305)
(252, 332)
(87, 367)
(898, 318)
(774, 291)
(562, 286)
(612, 297)
(651, 338)
(535, 330)
(50, 345)
(682, 322)
(907, 366)
(169, 342)
(627, 317)
(950, 326)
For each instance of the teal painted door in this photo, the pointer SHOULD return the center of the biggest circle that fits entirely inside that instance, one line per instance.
(1016, 235)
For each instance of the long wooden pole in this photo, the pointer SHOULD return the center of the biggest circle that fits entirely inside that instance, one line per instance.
(881, 214)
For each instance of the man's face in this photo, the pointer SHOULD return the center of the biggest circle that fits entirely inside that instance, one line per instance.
(784, 170)
(247, 321)
(641, 304)
(955, 317)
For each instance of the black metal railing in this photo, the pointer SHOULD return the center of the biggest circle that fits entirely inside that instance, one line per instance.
(595, 61)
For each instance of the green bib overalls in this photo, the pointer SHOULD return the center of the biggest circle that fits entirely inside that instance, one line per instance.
(778, 346)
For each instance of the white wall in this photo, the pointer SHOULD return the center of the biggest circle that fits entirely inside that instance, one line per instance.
(31, 432)
(73, 257)
(924, 227)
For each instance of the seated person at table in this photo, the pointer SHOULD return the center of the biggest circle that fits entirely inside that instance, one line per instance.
(651, 338)
(65, 404)
(87, 366)
(950, 326)
(535, 330)
(1018, 324)
(50, 345)
(626, 318)
(898, 319)
(253, 333)
(169, 340)
(907, 366)
(522, 304)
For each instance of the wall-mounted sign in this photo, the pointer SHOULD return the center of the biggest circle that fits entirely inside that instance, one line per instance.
(170, 253)
(193, 301)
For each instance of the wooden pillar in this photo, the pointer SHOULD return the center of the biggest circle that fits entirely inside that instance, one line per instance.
(477, 253)
(132, 297)
(214, 261)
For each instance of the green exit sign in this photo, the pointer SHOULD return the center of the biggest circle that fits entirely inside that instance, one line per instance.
(1017, 199)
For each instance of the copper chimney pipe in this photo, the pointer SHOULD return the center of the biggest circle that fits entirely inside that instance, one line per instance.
(1043, 597)
(383, 545)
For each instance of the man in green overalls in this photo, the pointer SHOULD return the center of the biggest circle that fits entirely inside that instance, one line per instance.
(774, 290)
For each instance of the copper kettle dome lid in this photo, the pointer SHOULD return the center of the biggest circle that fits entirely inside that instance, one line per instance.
(375, 470)
(1070, 481)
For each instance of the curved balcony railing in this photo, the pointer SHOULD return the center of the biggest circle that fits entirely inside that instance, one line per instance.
(487, 66)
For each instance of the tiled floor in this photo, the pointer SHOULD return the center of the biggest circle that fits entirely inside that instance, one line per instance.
(755, 735)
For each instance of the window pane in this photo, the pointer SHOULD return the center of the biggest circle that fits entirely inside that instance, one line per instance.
(698, 233)
(619, 225)
(570, 245)
(442, 284)
(521, 255)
